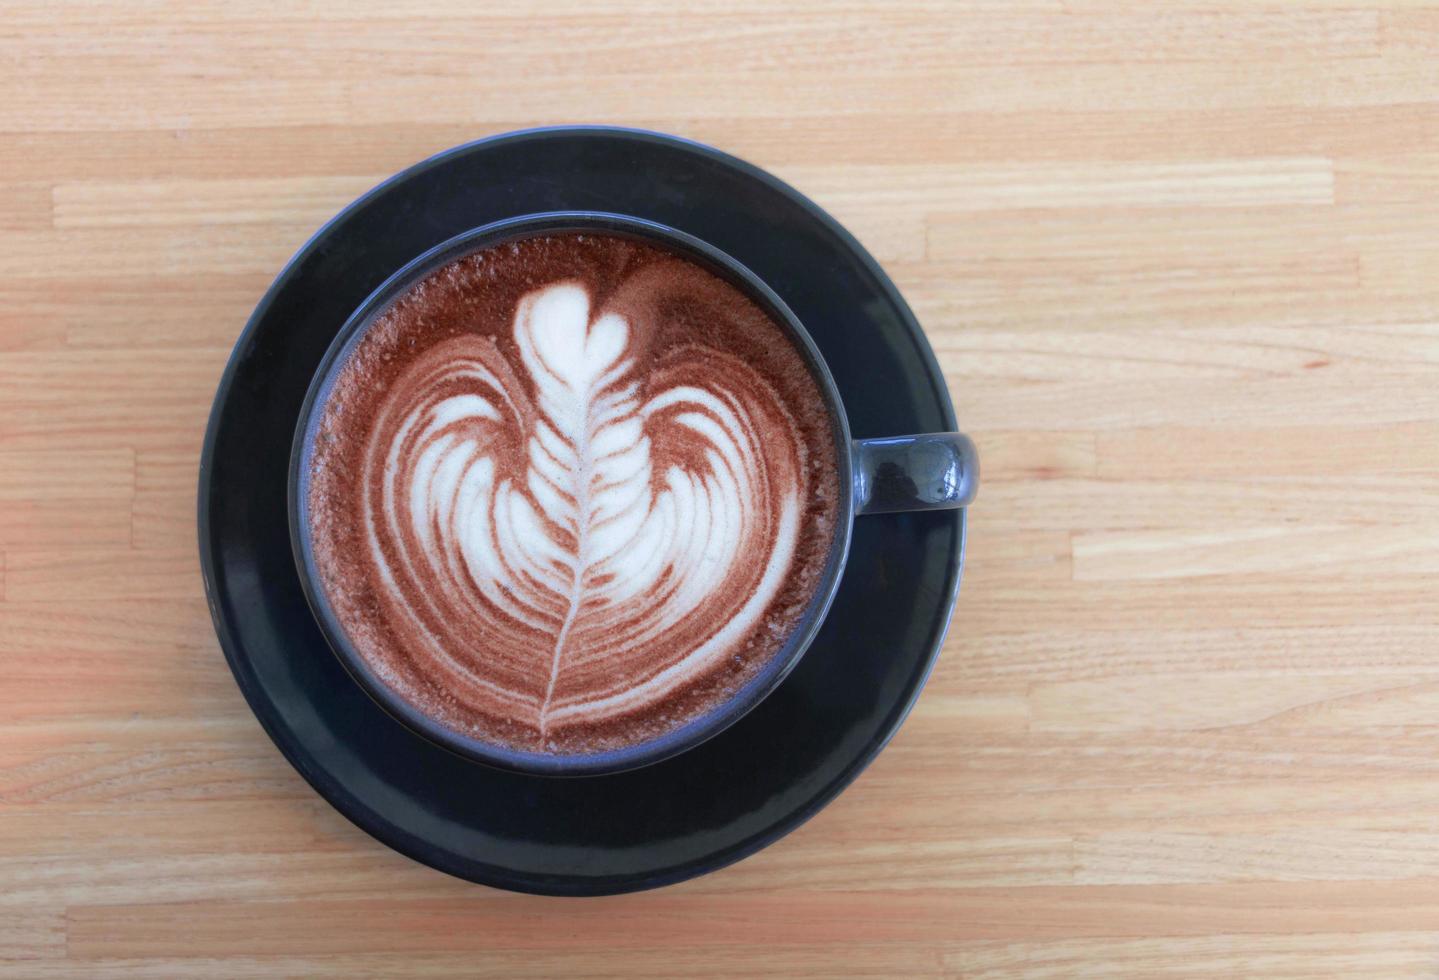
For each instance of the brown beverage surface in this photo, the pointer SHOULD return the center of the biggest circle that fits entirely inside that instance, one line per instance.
(571, 492)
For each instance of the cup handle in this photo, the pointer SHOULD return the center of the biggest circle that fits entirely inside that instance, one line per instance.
(933, 471)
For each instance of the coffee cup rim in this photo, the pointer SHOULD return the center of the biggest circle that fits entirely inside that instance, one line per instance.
(692, 733)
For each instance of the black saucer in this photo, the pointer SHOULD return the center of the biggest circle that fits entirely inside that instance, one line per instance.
(701, 810)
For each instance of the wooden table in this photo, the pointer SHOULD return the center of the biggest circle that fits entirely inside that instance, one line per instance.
(1181, 268)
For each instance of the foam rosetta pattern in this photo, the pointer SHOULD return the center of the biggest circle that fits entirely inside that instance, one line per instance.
(563, 537)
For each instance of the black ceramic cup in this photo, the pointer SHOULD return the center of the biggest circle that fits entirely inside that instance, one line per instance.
(932, 471)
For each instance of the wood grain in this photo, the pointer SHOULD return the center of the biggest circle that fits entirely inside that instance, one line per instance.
(1180, 265)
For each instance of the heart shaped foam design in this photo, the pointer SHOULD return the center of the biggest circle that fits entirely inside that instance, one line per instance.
(571, 538)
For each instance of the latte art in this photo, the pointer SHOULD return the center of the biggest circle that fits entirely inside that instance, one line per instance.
(626, 525)
(585, 525)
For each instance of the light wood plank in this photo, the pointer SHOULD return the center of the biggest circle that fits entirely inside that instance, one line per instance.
(186, 251)
(1080, 132)
(1005, 661)
(25, 206)
(1255, 352)
(165, 499)
(107, 474)
(1296, 855)
(1198, 701)
(128, 312)
(1229, 405)
(1356, 455)
(23, 330)
(817, 961)
(90, 399)
(1240, 506)
(1038, 455)
(1169, 554)
(1218, 602)
(229, 762)
(75, 100)
(120, 573)
(525, 922)
(75, 523)
(311, 200)
(30, 936)
(1289, 957)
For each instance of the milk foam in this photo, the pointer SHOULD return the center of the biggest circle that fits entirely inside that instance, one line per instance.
(587, 546)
